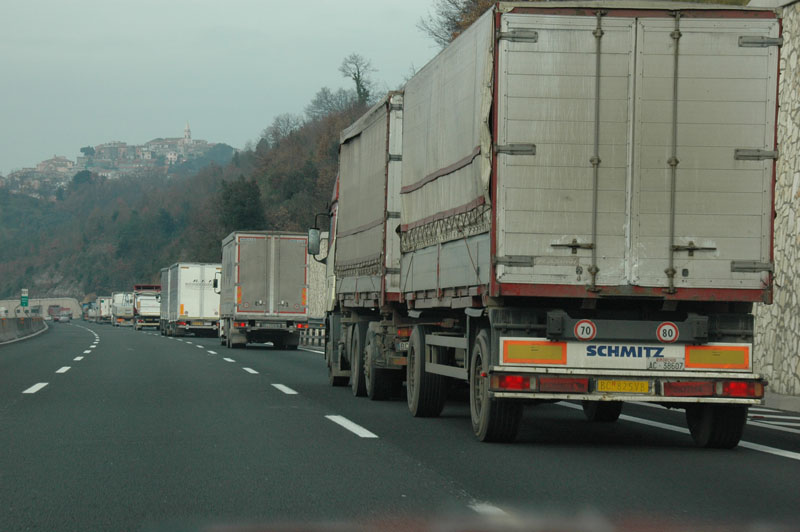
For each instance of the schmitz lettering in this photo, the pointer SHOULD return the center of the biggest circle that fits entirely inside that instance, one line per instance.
(624, 351)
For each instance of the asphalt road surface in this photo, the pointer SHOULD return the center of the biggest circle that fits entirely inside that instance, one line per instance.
(106, 428)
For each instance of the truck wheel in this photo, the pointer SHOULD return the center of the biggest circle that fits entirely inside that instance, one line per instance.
(378, 381)
(602, 411)
(493, 420)
(716, 426)
(425, 392)
(359, 332)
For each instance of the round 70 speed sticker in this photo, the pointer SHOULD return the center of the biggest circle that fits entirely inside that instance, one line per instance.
(585, 330)
(667, 332)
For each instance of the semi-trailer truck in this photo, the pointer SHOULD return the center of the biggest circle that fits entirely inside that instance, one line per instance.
(192, 304)
(122, 309)
(263, 288)
(573, 201)
(103, 305)
(146, 305)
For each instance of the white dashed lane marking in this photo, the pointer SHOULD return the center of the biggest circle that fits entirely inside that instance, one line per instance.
(228, 360)
(78, 358)
(250, 370)
(285, 389)
(358, 430)
(212, 352)
(35, 388)
(87, 352)
(63, 370)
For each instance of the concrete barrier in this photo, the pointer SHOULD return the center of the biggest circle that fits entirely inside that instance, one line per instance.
(12, 329)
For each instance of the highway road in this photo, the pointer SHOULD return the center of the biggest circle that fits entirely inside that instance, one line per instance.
(107, 428)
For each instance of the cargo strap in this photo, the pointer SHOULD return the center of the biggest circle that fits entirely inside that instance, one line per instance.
(673, 160)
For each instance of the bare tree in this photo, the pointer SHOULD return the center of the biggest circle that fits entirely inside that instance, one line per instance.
(451, 17)
(358, 68)
(282, 126)
(327, 102)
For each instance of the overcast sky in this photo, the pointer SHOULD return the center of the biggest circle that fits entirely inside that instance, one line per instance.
(85, 72)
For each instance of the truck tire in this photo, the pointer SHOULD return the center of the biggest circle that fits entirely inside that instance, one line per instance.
(493, 420)
(602, 411)
(378, 381)
(425, 392)
(716, 426)
(357, 337)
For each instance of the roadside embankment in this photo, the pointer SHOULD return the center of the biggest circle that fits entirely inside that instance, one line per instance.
(12, 329)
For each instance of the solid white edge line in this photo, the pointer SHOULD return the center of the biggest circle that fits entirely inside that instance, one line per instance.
(682, 430)
(773, 427)
(35, 388)
(284, 389)
(775, 416)
(78, 358)
(250, 370)
(322, 352)
(484, 508)
(63, 369)
(358, 430)
(228, 360)
(212, 352)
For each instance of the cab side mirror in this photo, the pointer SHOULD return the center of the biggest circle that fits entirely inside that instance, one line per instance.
(313, 241)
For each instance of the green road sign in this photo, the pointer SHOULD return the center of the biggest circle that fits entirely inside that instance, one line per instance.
(23, 298)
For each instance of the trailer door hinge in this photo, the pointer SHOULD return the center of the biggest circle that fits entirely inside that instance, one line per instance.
(751, 266)
(516, 149)
(519, 35)
(744, 154)
(759, 41)
(393, 157)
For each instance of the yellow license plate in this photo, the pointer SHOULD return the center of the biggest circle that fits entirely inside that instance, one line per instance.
(617, 386)
(197, 323)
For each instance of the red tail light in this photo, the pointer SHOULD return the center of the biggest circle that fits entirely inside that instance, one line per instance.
(563, 384)
(689, 389)
(182, 323)
(511, 382)
(240, 324)
(301, 325)
(740, 389)
(404, 332)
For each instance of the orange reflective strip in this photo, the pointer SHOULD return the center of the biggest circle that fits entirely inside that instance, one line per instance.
(534, 352)
(717, 356)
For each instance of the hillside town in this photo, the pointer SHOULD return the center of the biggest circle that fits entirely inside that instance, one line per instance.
(111, 160)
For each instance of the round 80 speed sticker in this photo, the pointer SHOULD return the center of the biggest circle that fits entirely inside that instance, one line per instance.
(585, 330)
(667, 332)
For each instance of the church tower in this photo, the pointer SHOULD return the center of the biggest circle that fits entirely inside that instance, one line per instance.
(187, 134)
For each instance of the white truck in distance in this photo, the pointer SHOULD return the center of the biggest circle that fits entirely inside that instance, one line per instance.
(103, 306)
(263, 288)
(192, 305)
(146, 305)
(122, 309)
(583, 200)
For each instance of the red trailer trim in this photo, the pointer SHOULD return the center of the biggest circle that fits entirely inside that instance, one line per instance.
(682, 294)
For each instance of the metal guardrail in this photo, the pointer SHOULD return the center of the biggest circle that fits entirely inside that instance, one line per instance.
(314, 335)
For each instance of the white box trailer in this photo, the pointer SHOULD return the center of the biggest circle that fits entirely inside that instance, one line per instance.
(146, 305)
(122, 309)
(164, 302)
(585, 214)
(264, 288)
(103, 305)
(193, 305)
